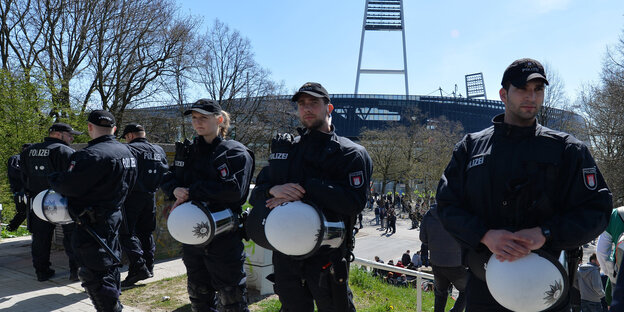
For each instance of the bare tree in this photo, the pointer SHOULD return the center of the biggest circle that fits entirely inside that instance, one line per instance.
(68, 38)
(231, 76)
(21, 36)
(135, 42)
(603, 104)
(385, 153)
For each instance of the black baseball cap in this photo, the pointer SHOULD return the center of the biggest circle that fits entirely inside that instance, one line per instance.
(102, 118)
(205, 106)
(132, 127)
(63, 127)
(312, 88)
(523, 70)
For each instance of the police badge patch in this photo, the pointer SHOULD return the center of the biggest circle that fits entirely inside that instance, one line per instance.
(589, 177)
(356, 179)
(223, 170)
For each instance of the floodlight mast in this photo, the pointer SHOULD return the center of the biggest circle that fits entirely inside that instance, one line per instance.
(383, 15)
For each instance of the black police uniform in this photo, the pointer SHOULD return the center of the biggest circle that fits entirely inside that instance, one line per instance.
(96, 184)
(139, 213)
(509, 177)
(37, 162)
(218, 173)
(16, 184)
(335, 174)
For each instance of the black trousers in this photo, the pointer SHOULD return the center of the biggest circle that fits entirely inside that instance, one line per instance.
(216, 267)
(301, 283)
(42, 232)
(138, 224)
(103, 272)
(443, 278)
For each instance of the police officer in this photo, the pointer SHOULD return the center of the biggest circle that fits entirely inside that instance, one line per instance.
(96, 184)
(14, 173)
(331, 172)
(139, 213)
(37, 162)
(218, 172)
(518, 186)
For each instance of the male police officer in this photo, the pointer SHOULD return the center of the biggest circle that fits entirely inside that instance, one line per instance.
(331, 172)
(96, 184)
(139, 212)
(518, 186)
(37, 162)
(14, 173)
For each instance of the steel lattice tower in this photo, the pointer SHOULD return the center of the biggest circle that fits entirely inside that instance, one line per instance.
(383, 15)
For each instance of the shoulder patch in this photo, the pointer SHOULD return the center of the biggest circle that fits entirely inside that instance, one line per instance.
(224, 171)
(356, 179)
(589, 177)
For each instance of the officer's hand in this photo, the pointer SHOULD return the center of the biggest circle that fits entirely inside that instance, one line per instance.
(177, 203)
(506, 245)
(274, 202)
(535, 236)
(288, 191)
(181, 194)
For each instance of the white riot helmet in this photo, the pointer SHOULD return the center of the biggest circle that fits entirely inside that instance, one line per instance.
(51, 206)
(298, 229)
(532, 283)
(191, 223)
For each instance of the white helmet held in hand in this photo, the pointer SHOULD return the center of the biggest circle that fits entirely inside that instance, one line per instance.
(193, 224)
(532, 283)
(298, 229)
(51, 206)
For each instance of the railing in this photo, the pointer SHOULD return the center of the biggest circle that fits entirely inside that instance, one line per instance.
(419, 276)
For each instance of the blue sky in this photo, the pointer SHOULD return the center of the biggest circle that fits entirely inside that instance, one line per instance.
(319, 40)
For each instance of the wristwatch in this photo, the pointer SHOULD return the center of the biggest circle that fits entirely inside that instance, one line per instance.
(546, 232)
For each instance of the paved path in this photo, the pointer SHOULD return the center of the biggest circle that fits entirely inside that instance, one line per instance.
(20, 290)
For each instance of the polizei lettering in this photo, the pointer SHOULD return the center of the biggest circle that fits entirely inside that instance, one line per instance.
(475, 162)
(278, 156)
(39, 152)
(128, 162)
(151, 156)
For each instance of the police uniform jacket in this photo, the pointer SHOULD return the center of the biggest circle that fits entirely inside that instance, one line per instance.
(42, 159)
(99, 176)
(508, 177)
(334, 171)
(15, 174)
(218, 173)
(151, 163)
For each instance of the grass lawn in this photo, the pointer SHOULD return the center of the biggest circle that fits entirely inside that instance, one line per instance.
(370, 295)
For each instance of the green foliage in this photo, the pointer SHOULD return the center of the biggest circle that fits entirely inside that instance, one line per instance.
(21, 231)
(371, 294)
(22, 120)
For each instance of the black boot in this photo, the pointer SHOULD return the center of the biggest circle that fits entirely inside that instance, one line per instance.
(135, 275)
(73, 275)
(105, 304)
(45, 275)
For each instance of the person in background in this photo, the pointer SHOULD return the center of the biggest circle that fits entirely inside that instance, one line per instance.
(446, 261)
(590, 285)
(139, 221)
(14, 173)
(37, 162)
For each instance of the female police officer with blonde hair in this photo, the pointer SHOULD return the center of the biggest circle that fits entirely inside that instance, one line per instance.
(217, 172)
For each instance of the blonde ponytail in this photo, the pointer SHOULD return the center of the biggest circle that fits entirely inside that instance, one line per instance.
(225, 125)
